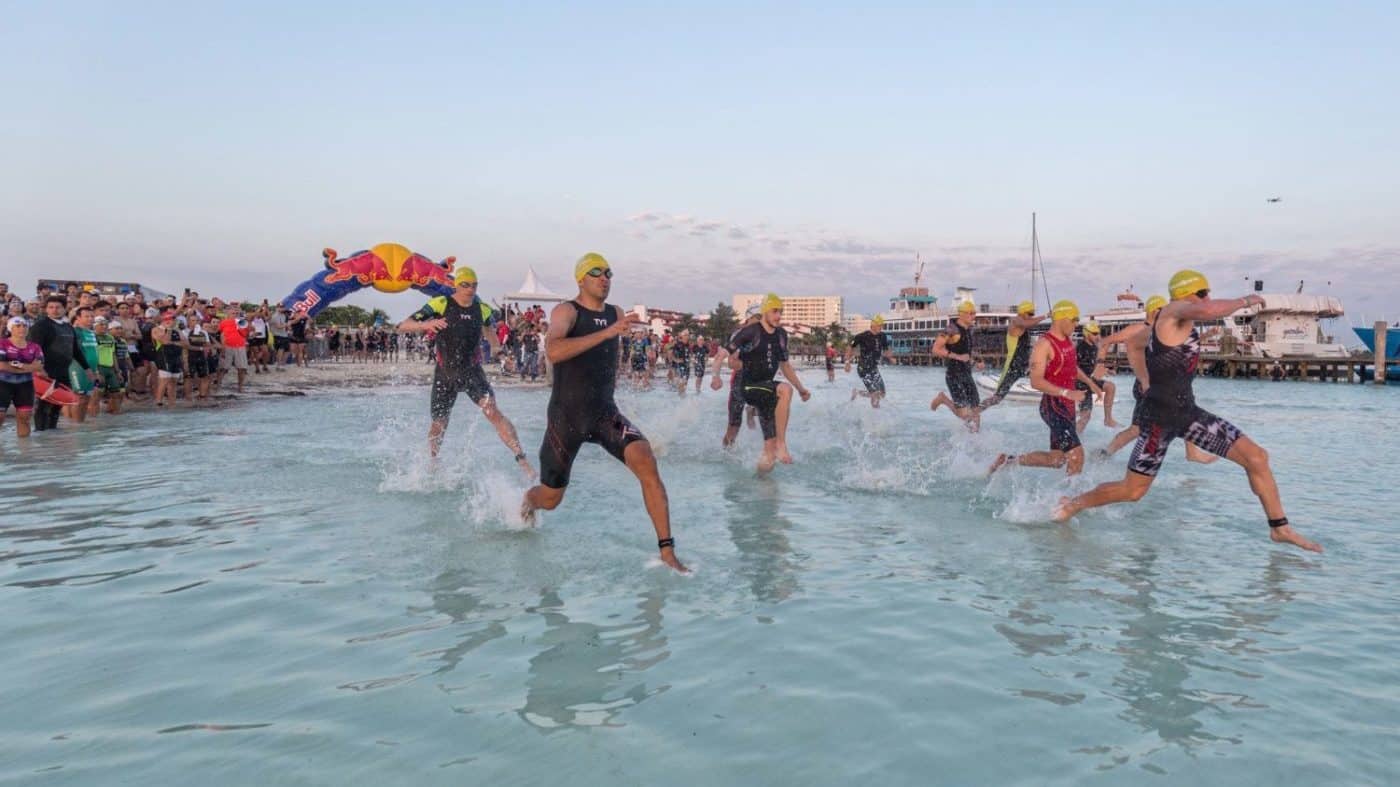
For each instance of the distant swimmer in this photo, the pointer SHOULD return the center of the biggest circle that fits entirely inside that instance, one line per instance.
(954, 346)
(1018, 352)
(736, 406)
(457, 322)
(1087, 351)
(582, 348)
(762, 349)
(699, 359)
(869, 347)
(1134, 340)
(1169, 411)
(678, 352)
(1054, 372)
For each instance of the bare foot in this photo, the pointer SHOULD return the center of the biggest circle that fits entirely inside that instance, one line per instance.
(1110, 423)
(527, 514)
(1064, 510)
(668, 557)
(765, 464)
(1287, 535)
(938, 401)
(1002, 460)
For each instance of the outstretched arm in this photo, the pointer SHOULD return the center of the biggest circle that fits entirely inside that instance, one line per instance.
(1209, 310)
(791, 375)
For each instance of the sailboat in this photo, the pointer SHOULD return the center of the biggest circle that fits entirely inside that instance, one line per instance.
(1021, 390)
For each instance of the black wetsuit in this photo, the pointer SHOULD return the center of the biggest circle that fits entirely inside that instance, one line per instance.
(1168, 410)
(762, 354)
(1088, 355)
(680, 358)
(1018, 362)
(581, 406)
(870, 346)
(59, 343)
(458, 369)
(699, 358)
(198, 340)
(961, 387)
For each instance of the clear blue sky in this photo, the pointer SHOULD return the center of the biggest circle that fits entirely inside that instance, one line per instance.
(720, 148)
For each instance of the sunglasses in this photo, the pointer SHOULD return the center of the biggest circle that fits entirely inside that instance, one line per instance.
(1202, 293)
(596, 272)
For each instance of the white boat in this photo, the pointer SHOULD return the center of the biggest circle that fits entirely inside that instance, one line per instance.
(1021, 391)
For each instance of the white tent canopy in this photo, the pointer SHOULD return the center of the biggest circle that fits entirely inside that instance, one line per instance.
(532, 291)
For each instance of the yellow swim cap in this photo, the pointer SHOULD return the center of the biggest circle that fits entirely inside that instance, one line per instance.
(1155, 302)
(1025, 307)
(1064, 310)
(770, 302)
(587, 263)
(464, 275)
(877, 320)
(967, 307)
(1092, 327)
(1186, 282)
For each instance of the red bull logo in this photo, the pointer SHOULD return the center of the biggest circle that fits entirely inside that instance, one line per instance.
(388, 267)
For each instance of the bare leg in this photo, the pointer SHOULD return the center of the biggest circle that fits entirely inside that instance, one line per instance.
(21, 422)
(784, 410)
(435, 432)
(940, 400)
(729, 434)
(539, 497)
(1109, 392)
(972, 418)
(1195, 453)
(768, 457)
(1255, 460)
(1130, 489)
(1123, 438)
(506, 430)
(642, 463)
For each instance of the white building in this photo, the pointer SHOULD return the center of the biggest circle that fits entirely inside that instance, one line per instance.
(856, 323)
(814, 310)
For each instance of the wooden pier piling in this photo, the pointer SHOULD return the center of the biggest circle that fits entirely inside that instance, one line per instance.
(1380, 352)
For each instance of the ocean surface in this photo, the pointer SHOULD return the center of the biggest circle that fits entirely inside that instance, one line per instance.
(284, 591)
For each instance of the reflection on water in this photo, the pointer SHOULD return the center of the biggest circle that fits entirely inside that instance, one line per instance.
(1164, 655)
(583, 677)
(760, 533)
(455, 596)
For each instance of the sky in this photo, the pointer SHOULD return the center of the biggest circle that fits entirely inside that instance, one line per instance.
(708, 149)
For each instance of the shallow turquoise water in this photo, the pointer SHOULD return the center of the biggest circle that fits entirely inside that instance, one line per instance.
(284, 593)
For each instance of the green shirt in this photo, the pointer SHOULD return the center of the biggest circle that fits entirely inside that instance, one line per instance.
(106, 350)
(87, 340)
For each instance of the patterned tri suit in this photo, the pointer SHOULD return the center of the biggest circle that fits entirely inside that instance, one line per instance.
(581, 406)
(456, 347)
(1056, 411)
(1168, 409)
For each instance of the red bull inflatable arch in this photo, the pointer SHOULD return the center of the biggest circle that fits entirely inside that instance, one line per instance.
(387, 267)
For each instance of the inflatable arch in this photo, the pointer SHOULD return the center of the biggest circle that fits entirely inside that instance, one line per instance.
(387, 267)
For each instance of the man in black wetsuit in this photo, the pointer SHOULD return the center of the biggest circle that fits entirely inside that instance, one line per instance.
(1169, 411)
(1018, 352)
(954, 346)
(56, 337)
(582, 347)
(457, 322)
(1087, 351)
(760, 350)
(679, 352)
(870, 346)
(735, 406)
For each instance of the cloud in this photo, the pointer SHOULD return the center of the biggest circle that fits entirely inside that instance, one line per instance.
(737, 233)
(857, 247)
